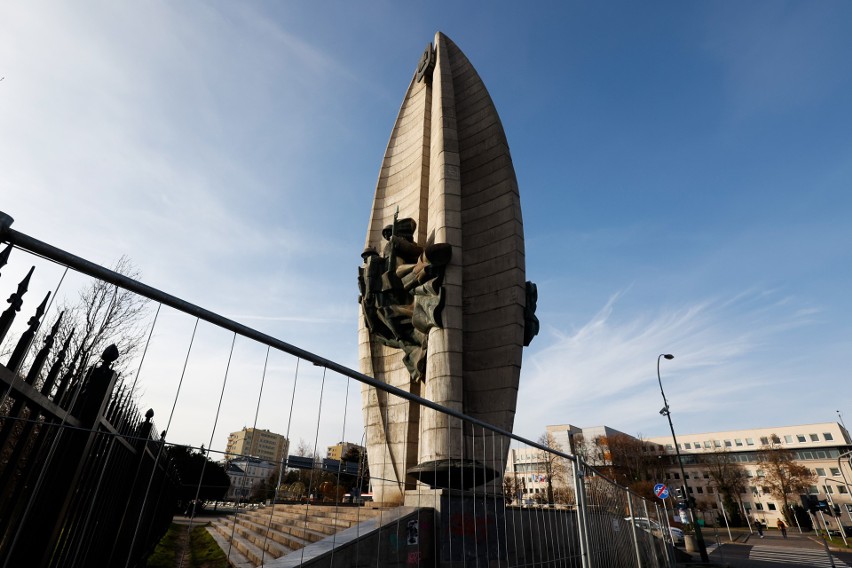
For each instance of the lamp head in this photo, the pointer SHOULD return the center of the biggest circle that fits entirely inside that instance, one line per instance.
(668, 356)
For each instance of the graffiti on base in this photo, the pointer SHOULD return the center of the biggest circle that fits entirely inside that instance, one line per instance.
(467, 526)
(413, 532)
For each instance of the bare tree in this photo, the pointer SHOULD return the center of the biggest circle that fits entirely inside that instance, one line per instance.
(105, 314)
(512, 489)
(782, 476)
(305, 450)
(628, 460)
(101, 315)
(730, 479)
(554, 465)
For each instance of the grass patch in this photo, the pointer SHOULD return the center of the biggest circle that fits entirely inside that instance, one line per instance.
(203, 552)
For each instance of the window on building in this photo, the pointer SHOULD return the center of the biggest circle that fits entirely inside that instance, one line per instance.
(842, 489)
(749, 441)
(759, 473)
(747, 506)
(813, 490)
(669, 447)
(764, 440)
(835, 471)
(688, 446)
(706, 475)
(758, 506)
(717, 444)
(765, 490)
(771, 506)
(800, 438)
(788, 439)
(727, 443)
(820, 471)
(814, 438)
(749, 473)
(828, 489)
(752, 489)
(707, 444)
(738, 442)
(828, 437)
(677, 475)
(849, 507)
(700, 490)
(710, 490)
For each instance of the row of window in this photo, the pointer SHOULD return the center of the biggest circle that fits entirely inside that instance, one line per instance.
(820, 471)
(741, 442)
(751, 457)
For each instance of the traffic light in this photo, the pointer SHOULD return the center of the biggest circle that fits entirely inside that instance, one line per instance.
(810, 503)
(679, 493)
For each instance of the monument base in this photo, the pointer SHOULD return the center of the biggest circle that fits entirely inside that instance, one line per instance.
(453, 474)
(470, 527)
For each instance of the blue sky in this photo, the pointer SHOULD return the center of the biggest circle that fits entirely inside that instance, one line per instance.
(684, 171)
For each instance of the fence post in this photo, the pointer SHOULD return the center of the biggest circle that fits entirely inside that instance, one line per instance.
(633, 527)
(582, 520)
(42, 524)
(668, 538)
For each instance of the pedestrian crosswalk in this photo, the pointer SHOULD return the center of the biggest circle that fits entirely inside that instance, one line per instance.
(789, 555)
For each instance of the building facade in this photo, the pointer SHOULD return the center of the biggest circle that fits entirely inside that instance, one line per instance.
(253, 442)
(337, 451)
(247, 475)
(823, 448)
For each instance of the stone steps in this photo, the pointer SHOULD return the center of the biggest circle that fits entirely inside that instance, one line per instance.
(268, 533)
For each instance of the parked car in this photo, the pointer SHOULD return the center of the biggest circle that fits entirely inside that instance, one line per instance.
(653, 527)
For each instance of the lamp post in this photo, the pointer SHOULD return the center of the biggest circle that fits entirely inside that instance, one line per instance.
(702, 548)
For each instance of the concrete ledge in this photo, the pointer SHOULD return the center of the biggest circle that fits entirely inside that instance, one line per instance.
(318, 552)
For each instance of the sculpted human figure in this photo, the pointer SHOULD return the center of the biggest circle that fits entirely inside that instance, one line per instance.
(401, 295)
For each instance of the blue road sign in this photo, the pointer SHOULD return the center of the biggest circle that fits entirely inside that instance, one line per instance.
(661, 491)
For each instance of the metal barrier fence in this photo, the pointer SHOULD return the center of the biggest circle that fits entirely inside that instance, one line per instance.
(552, 510)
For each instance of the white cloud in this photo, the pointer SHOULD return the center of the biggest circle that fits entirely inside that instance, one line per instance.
(605, 371)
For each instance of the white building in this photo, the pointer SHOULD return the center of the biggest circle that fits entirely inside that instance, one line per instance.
(246, 475)
(818, 447)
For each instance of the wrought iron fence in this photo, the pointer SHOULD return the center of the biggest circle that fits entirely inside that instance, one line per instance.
(76, 448)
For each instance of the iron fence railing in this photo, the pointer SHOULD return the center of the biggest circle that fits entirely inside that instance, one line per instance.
(552, 511)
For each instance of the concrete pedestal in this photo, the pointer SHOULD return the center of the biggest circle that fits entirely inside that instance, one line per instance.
(469, 527)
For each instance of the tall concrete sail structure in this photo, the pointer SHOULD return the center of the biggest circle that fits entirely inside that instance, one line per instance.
(446, 181)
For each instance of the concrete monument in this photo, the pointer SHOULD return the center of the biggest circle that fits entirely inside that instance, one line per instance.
(446, 309)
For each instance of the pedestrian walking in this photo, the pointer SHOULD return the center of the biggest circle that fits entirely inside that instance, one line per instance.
(783, 528)
(760, 529)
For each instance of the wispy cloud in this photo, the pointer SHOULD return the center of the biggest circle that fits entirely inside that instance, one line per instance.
(605, 371)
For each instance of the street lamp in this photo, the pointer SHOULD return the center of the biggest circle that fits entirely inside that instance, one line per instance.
(702, 548)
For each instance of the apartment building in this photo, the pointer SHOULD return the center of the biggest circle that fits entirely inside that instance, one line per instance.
(257, 443)
(337, 451)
